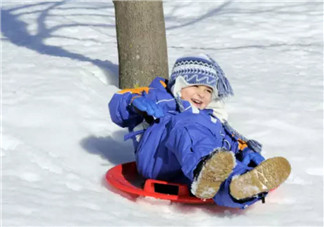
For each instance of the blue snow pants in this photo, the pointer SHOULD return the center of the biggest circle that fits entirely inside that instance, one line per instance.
(172, 148)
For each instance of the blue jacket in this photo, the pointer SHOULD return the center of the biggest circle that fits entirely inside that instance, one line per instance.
(173, 145)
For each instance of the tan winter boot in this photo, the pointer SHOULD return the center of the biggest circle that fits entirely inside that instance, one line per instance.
(213, 172)
(266, 176)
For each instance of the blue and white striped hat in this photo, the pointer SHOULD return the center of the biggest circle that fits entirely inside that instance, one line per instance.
(201, 70)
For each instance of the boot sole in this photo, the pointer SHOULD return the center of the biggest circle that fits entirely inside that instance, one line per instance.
(212, 175)
(266, 176)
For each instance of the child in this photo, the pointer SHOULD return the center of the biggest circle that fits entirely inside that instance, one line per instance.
(180, 134)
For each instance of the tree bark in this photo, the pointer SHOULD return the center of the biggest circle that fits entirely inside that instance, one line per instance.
(141, 39)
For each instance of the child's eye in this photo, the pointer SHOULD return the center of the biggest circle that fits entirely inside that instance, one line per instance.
(209, 91)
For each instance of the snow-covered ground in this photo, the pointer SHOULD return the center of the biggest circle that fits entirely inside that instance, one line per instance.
(60, 69)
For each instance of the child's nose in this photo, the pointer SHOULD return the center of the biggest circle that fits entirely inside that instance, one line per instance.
(201, 93)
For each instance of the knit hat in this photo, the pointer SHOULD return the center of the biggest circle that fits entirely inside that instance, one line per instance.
(199, 70)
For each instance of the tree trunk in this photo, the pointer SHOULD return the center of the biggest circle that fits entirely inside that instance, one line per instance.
(142, 48)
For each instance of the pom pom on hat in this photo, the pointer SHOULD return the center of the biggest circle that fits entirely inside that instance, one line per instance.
(201, 70)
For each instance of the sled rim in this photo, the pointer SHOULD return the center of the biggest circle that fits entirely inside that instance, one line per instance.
(126, 178)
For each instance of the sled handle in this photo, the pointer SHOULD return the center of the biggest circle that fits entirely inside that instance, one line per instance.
(164, 187)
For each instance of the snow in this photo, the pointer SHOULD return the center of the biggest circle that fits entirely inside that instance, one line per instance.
(60, 69)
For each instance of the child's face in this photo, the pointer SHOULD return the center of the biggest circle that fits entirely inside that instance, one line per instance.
(198, 95)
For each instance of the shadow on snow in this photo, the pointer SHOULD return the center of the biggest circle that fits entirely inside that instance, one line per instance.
(15, 31)
(116, 151)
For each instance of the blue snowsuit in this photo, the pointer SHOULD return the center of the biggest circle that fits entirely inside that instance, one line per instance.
(172, 146)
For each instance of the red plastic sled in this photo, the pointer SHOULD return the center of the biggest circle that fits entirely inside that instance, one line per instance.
(126, 178)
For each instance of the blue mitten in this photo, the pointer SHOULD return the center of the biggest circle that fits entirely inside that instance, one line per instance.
(148, 106)
(252, 156)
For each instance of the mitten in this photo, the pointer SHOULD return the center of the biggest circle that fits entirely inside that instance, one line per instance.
(148, 106)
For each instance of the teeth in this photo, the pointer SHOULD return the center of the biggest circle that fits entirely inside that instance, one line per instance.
(196, 101)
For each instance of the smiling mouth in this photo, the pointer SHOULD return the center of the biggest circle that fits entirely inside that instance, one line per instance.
(197, 102)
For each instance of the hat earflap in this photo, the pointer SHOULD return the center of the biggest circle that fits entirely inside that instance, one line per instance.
(223, 86)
